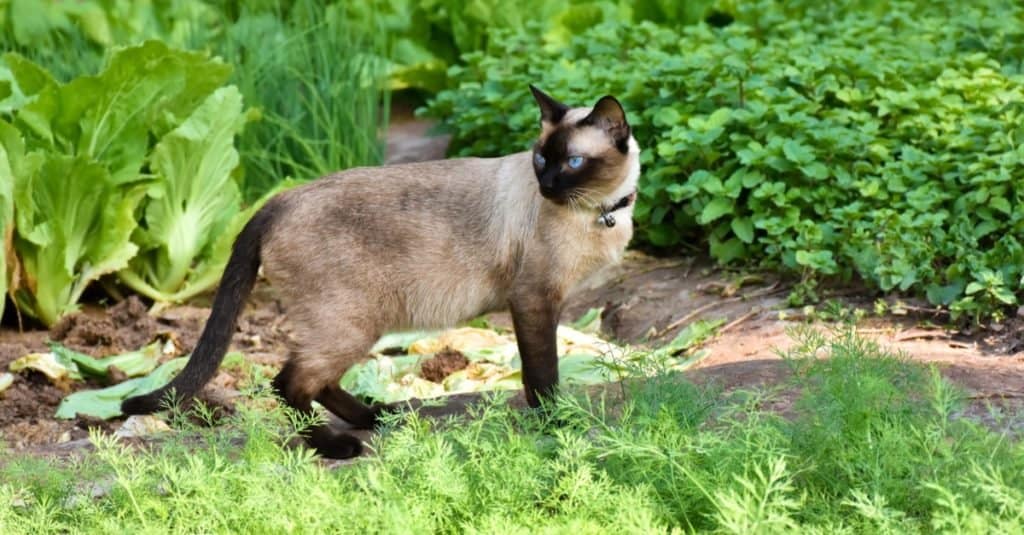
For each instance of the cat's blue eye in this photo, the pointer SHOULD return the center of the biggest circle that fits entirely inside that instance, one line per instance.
(538, 159)
(575, 161)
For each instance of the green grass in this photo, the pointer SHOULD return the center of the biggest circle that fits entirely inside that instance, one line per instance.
(65, 56)
(870, 446)
(319, 84)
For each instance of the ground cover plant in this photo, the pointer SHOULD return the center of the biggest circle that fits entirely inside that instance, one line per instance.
(829, 141)
(430, 36)
(870, 445)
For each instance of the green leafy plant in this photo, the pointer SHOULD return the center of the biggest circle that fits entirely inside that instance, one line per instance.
(191, 204)
(318, 110)
(77, 153)
(71, 38)
(429, 36)
(8, 138)
(59, 255)
(873, 143)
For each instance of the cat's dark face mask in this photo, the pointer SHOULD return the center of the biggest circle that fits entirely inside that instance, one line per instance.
(580, 152)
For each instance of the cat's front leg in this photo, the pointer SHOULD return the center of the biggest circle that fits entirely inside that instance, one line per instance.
(535, 318)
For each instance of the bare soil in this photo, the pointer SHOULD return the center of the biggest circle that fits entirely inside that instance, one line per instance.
(123, 327)
(28, 405)
(441, 365)
(646, 300)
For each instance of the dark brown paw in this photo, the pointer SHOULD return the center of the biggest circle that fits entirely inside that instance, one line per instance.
(335, 444)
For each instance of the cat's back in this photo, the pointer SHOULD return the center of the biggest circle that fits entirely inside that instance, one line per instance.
(397, 212)
(423, 239)
(437, 186)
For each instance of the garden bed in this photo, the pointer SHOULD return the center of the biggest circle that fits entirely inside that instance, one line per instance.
(646, 300)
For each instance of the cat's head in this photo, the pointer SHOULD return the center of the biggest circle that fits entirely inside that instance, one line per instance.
(584, 156)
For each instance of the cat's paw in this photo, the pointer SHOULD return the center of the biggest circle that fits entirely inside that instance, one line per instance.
(335, 444)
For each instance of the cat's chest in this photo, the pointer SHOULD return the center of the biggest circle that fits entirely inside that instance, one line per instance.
(588, 245)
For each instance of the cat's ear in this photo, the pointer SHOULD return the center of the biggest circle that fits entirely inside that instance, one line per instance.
(551, 110)
(609, 116)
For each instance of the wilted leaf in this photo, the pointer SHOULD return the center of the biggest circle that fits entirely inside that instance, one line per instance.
(465, 339)
(140, 425)
(400, 340)
(132, 363)
(54, 367)
(572, 341)
(494, 363)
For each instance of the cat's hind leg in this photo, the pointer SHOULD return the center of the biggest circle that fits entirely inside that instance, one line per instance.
(348, 408)
(326, 348)
(326, 441)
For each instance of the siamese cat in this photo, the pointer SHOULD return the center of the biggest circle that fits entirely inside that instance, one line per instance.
(362, 252)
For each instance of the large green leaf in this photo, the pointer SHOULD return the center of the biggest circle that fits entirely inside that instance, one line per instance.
(192, 203)
(22, 80)
(106, 402)
(73, 225)
(11, 148)
(146, 89)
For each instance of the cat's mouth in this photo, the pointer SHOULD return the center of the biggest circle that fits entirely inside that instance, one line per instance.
(558, 196)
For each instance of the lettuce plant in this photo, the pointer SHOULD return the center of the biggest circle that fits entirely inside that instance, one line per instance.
(8, 136)
(75, 156)
(191, 204)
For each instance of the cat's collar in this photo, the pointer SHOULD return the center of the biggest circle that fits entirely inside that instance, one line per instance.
(606, 218)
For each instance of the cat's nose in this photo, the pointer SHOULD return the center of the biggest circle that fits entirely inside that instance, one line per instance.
(548, 179)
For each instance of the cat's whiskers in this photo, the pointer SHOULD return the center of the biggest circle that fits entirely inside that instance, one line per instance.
(587, 196)
(574, 203)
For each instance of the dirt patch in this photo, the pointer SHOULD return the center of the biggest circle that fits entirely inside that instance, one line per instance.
(26, 412)
(441, 365)
(11, 351)
(645, 298)
(123, 327)
(28, 405)
(30, 397)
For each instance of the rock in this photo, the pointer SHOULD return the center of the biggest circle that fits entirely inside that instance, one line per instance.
(141, 425)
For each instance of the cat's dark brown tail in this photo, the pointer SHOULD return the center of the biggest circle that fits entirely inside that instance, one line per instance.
(235, 286)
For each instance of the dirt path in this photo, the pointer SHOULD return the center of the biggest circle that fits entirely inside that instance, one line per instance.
(644, 296)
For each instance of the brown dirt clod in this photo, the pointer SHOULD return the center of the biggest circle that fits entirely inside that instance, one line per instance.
(125, 327)
(443, 364)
